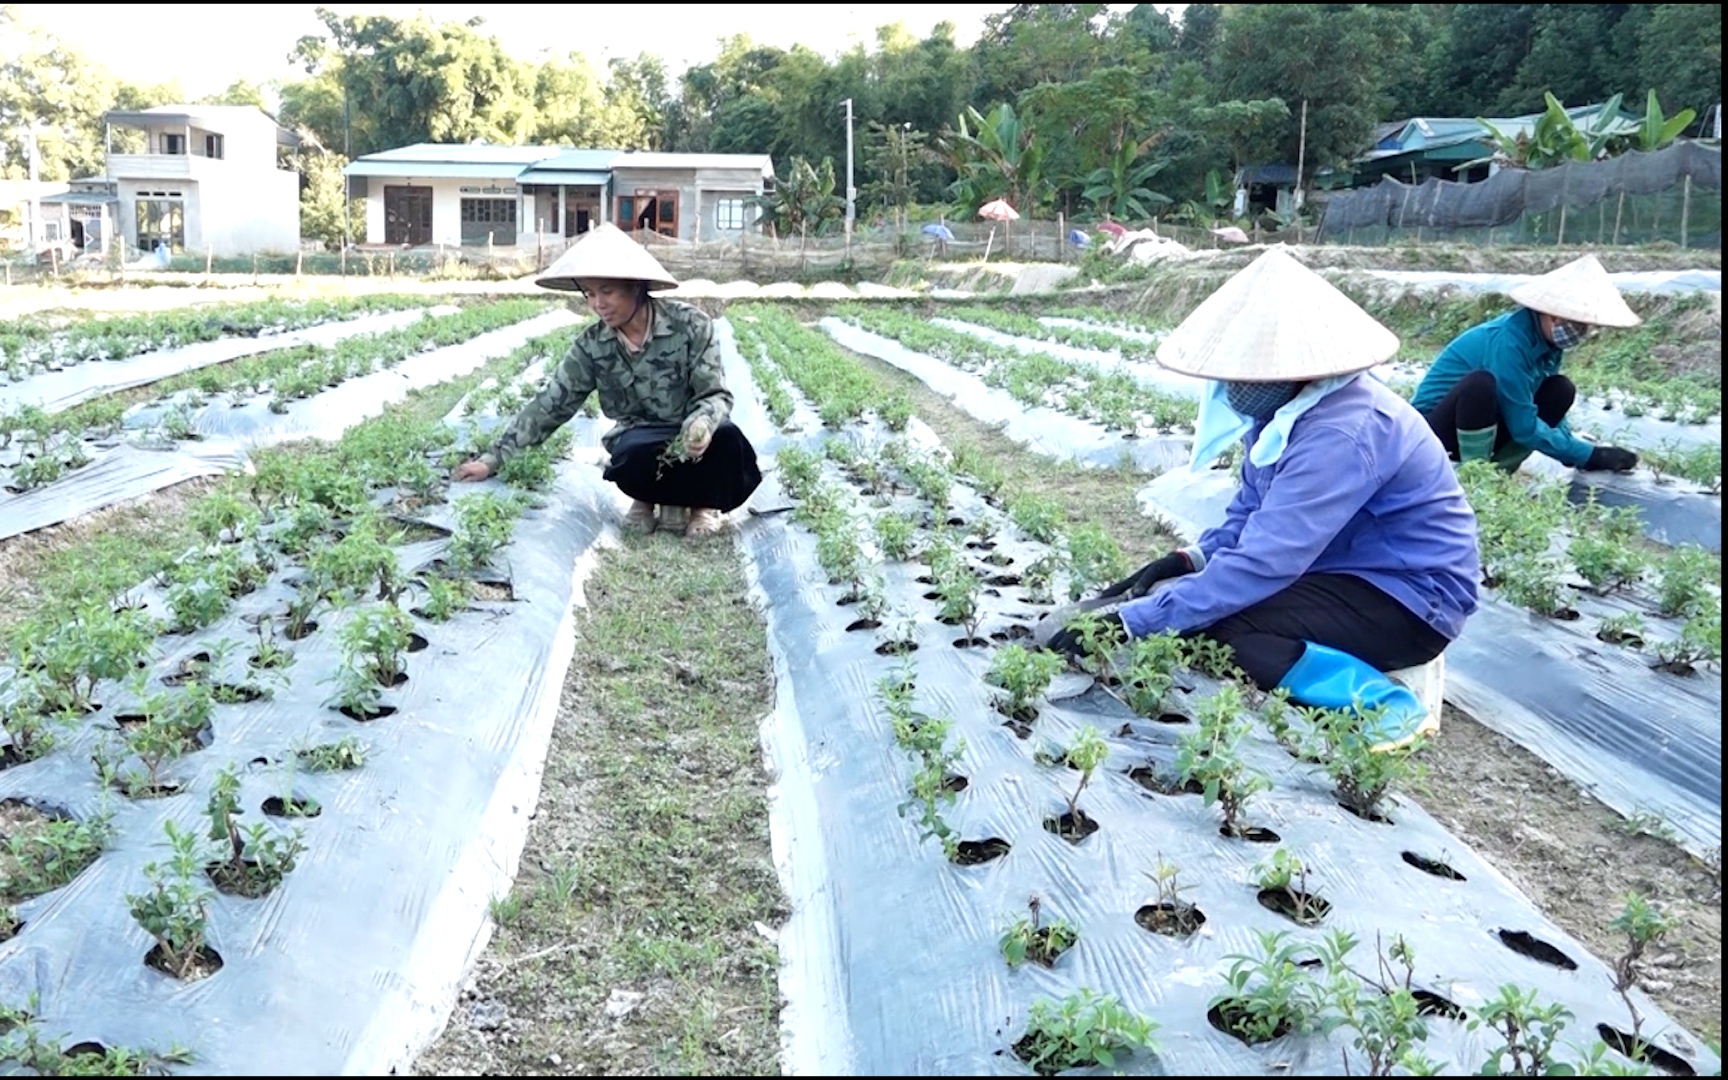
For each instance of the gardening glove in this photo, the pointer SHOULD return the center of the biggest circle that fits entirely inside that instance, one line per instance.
(1067, 640)
(1140, 582)
(698, 433)
(1611, 459)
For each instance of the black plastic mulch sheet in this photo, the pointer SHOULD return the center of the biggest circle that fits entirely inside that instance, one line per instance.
(56, 391)
(226, 432)
(1644, 741)
(891, 957)
(352, 965)
(1046, 431)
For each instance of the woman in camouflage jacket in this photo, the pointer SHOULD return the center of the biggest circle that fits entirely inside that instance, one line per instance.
(656, 364)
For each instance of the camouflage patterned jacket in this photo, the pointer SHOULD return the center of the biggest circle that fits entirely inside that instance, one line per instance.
(677, 375)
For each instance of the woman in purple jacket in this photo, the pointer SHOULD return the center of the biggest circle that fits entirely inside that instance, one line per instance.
(1349, 550)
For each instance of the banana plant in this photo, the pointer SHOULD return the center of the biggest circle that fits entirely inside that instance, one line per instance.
(1119, 187)
(996, 156)
(1554, 139)
(1655, 132)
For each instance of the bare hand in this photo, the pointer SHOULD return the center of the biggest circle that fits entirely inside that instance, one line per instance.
(471, 470)
(697, 435)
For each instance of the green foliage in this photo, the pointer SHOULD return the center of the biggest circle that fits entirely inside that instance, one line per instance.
(43, 857)
(1084, 1028)
(1270, 993)
(176, 907)
(1023, 675)
(484, 525)
(1210, 756)
(1029, 938)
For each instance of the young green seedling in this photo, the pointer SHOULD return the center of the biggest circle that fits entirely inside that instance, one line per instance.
(175, 909)
(1170, 914)
(1528, 1030)
(1209, 756)
(1085, 754)
(254, 861)
(1644, 925)
(1286, 876)
(1270, 993)
(1029, 938)
(1022, 675)
(1085, 1028)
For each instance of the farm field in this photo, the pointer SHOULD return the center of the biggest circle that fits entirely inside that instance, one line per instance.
(314, 754)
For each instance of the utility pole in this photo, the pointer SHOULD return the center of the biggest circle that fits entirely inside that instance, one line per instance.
(851, 193)
(905, 185)
(35, 177)
(347, 187)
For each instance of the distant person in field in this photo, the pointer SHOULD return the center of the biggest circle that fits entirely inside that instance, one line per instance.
(657, 367)
(1349, 550)
(1496, 392)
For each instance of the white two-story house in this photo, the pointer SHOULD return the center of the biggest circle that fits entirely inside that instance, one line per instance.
(200, 178)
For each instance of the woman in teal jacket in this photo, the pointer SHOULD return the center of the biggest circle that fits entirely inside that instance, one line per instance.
(1496, 392)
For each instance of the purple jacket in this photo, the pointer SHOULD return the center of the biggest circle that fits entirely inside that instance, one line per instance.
(1363, 488)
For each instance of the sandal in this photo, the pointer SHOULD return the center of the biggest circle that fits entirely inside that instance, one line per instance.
(640, 518)
(705, 521)
(674, 518)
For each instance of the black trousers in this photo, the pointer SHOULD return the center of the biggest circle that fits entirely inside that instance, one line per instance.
(726, 476)
(1337, 610)
(1474, 404)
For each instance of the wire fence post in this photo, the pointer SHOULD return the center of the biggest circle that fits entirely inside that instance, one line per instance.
(1685, 206)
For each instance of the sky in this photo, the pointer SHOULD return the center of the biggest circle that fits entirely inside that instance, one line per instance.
(208, 47)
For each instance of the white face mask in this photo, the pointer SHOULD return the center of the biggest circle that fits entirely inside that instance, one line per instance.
(1566, 334)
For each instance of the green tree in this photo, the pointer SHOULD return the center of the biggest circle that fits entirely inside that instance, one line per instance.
(239, 92)
(1339, 58)
(322, 198)
(1680, 55)
(996, 156)
(638, 100)
(803, 199)
(410, 80)
(570, 104)
(52, 87)
(1120, 187)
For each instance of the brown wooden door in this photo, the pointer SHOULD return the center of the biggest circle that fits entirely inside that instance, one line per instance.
(408, 215)
(666, 213)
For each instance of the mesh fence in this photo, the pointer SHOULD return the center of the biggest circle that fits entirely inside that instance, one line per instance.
(1673, 195)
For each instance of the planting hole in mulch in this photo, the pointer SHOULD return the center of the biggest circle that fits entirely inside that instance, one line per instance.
(1046, 948)
(848, 600)
(377, 712)
(1177, 919)
(933, 595)
(1565, 615)
(1428, 1003)
(1645, 1051)
(400, 678)
(981, 545)
(1675, 667)
(243, 880)
(1371, 815)
(199, 741)
(190, 668)
(408, 531)
(896, 648)
(1003, 581)
(1154, 781)
(493, 590)
(295, 806)
(1536, 949)
(205, 964)
(238, 693)
(1072, 827)
(925, 579)
(296, 633)
(1254, 834)
(1015, 632)
(1172, 718)
(1232, 1017)
(416, 643)
(1625, 638)
(957, 522)
(978, 852)
(996, 558)
(1301, 908)
(971, 643)
(1020, 728)
(863, 624)
(1432, 866)
(954, 783)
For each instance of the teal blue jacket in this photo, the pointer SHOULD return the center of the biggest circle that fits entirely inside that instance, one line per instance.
(1514, 351)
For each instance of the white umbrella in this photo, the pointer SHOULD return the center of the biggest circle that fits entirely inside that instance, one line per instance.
(997, 210)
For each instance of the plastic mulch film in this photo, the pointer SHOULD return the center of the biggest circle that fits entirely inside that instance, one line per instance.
(328, 414)
(1043, 430)
(1081, 324)
(1641, 740)
(891, 957)
(228, 432)
(1145, 373)
(352, 964)
(56, 391)
(1669, 282)
(1673, 511)
(122, 473)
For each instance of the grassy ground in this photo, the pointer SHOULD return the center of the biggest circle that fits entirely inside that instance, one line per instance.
(638, 937)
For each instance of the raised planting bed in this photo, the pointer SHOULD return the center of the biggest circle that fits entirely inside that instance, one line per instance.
(302, 758)
(93, 456)
(1025, 856)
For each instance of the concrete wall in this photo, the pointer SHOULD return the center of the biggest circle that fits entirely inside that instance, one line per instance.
(447, 196)
(699, 193)
(239, 205)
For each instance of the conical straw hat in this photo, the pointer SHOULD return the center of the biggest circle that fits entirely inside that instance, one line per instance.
(1276, 321)
(606, 252)
(1581, 291)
